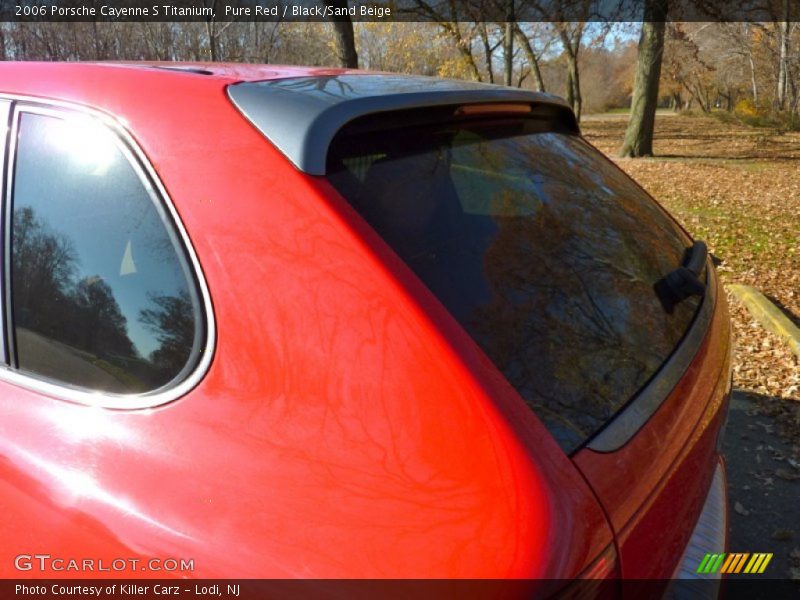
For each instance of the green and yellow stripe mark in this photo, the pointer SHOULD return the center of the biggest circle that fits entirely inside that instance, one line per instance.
(734, 562)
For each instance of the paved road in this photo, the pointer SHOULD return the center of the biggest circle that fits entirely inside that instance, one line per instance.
(757, 460)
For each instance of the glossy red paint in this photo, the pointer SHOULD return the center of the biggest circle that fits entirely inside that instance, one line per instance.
(347, 427)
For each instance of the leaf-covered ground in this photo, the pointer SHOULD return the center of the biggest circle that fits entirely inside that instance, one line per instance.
(737, 188)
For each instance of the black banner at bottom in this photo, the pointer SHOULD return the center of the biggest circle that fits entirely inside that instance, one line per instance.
(325, 589)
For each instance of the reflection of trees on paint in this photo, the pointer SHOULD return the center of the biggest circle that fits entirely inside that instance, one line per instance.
(81, 318)
(171, 320)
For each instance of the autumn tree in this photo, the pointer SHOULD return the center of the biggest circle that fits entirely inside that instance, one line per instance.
(410, 47)
(571, 35)
(524, 40)
(639, 134)
(345, 40)
(447, 15)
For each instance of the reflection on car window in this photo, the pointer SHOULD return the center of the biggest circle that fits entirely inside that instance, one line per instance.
(545, 252)
(100, 293)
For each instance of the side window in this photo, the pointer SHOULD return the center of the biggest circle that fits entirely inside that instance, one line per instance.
(101, 294)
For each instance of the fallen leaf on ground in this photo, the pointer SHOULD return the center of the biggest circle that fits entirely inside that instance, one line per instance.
(737, 188)
(787, 475)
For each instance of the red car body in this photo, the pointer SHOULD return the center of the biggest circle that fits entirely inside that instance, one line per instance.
(347, 426)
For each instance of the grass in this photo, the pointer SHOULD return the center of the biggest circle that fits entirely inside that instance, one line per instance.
(768, 120)
(761, 239)
(738, 188)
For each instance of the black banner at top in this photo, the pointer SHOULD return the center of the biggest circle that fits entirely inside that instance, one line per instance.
(396, 10)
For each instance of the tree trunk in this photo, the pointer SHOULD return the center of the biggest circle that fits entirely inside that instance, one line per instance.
(488, 51)
(753, 80)
(575, 81)
(572, 46)
(212, 41)
(793, 100)
(783, 65)
(677, 102)
(466, 53)
(702, 98)
(100, 51)
(508, 53)
(508, 45)
(464, 47)
(530, 55)
(211, 31)
(345, 40)
(639, 134)
(570, 90)
(573, 86)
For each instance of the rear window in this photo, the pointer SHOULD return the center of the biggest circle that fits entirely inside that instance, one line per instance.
(544, 251)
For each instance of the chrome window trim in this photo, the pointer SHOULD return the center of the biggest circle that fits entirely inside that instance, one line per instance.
(9, 343)
(5, 137)
(192, 374)
(648, 400)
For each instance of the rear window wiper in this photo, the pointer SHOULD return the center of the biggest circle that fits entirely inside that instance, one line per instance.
(684, 281)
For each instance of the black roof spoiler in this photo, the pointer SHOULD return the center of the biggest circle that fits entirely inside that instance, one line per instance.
(301, 116)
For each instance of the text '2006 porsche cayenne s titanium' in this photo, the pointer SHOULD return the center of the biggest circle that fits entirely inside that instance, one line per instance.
(319, 323)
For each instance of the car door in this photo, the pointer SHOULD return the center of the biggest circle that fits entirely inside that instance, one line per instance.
(100, 310)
